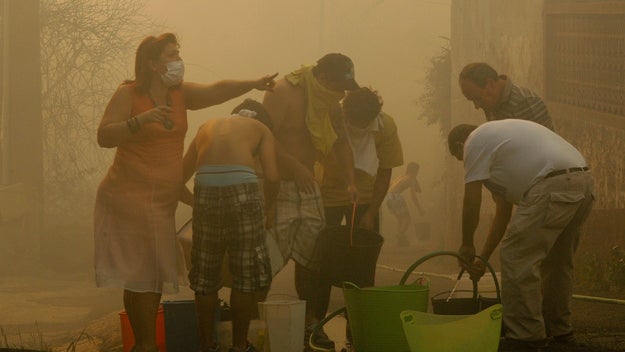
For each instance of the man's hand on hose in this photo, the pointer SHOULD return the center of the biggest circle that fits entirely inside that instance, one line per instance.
(477, 270)
(467, 252)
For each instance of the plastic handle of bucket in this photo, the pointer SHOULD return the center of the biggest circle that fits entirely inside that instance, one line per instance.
(319, 326)
(422, 281)
(407, 317)
(453, 254)
(496, 314)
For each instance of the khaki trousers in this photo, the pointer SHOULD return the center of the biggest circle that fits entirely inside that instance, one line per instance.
(537, 256)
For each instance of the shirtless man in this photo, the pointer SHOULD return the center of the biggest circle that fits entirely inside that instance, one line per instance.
(396, 203)
(228, 215)
(308, 126)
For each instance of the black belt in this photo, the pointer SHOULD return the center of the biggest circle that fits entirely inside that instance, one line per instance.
(567, 171)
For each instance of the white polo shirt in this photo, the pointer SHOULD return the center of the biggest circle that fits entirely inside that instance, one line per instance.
(511, 155)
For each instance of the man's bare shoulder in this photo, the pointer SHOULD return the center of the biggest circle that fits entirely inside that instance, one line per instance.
(210, 123)
(285, 88)
(233, 128)
(123, 94)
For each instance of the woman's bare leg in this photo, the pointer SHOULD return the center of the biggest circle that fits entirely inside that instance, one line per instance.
(142, 308)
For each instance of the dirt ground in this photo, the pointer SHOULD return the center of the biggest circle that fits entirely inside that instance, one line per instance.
(599, 326)
(62, 312)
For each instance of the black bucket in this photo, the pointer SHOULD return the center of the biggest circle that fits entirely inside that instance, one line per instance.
(458, 305)
(353, 261)
(442, 304)
(486, 302)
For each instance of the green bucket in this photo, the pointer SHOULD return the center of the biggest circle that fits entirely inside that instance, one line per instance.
(373, 313)
(442, 333)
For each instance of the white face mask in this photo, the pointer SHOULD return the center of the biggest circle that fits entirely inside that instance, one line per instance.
(174, 74)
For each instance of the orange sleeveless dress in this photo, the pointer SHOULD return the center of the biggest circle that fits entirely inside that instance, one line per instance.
(134, 217)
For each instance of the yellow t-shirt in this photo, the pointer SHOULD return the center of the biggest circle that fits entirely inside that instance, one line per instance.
(390, 154)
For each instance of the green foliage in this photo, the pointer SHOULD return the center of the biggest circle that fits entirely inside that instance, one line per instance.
(590, 273)
(36, 343)
(616, 267)
(601, 273)
(72, 345)
(435, 102)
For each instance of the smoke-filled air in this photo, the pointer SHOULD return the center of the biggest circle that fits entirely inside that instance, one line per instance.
(316, 176)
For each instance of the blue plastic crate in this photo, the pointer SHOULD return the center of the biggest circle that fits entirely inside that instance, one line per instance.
(181, 329)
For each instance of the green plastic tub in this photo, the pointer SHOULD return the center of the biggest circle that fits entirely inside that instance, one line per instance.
(445, 333)
(373, 314)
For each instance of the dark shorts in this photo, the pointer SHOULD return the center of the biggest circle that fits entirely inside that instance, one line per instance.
(229, 218)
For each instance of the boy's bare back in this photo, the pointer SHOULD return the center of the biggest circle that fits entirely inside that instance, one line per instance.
(233, 140)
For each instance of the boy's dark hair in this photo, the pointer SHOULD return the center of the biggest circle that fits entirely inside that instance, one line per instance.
(460, 134)
(252, 105)
(478, 73)
(362, 104)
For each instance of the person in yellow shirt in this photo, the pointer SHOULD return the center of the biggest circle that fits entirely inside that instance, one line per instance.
(377, 150)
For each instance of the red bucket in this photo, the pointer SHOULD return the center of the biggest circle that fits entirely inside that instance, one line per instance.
(128, 337)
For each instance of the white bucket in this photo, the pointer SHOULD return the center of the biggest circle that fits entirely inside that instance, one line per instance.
(285, 324)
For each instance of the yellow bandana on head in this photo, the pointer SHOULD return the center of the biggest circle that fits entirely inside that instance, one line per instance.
(320, 99)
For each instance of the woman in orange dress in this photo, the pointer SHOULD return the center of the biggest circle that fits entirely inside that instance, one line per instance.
(134, 227)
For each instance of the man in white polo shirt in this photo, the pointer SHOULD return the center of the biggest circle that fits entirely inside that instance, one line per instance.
(525, 164)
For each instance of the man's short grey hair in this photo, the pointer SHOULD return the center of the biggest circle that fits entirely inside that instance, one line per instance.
(478, 73)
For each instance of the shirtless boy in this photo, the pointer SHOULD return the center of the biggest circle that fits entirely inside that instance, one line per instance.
(228, 215)
(308, 125)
